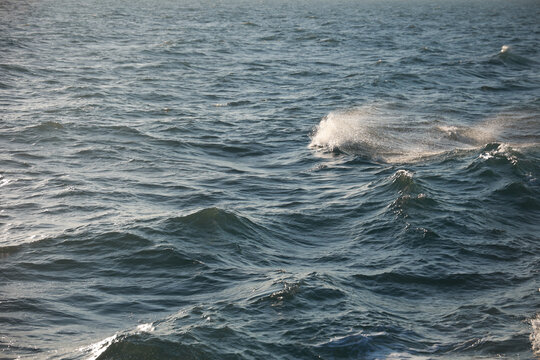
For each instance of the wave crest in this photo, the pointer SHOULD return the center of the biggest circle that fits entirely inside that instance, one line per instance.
(508, 56)
(214, 220)
(354, 132)
(383, 135)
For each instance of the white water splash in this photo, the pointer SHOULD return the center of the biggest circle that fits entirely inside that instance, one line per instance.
(4, 181)
(149, 327)
(339, 129)
(362, 131)
(535, 335)
(388, 136)
(503, 150)
(98, 348)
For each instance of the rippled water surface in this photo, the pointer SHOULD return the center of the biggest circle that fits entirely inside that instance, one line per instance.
(270, 179)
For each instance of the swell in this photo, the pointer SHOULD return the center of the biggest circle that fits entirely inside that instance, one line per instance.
(203, 331)
(148, 238)
(214, 222)
(143, 266)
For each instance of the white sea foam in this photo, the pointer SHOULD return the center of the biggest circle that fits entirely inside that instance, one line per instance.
(402, 174)
(149, 327)
(98, 348)
(535, 334)
(402, 356)
(4, 181)
(501, 151)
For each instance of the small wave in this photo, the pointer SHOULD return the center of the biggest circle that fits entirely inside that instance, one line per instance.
(381, 342)
(4, 181)
(162, 257)
(16, 69)
(411, 193)
(329, 41)
(284, 290)
(94, 351)
(269, 38)
(86, 242)
(508, 56)
(218, 227)
(125, 130)
(361, 345)
(10, 349)
(519, 194)
(496, 151)
(288, 292)
(211, 219)
(403, 180)
(147, 346)
(408, 284)
(405, 203)
(233, 103)
(249, 23)
(49, 126)
(355, 342)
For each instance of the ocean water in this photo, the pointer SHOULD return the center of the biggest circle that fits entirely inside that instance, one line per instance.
(269, 179)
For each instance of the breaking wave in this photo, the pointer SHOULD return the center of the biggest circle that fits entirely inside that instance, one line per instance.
(373, 133)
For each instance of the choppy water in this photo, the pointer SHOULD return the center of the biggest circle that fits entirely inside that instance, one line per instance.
(269, 180)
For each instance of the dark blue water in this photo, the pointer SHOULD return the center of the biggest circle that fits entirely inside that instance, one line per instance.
(270, 179)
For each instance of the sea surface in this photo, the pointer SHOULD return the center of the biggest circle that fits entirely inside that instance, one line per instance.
(269, 179)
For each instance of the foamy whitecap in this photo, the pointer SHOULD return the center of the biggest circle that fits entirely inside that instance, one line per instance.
(145, 328)
(381, 134)
(96, 349)
(535, 334)
(363, 131)
(402, 174)
(372, 133)
(500, 151)
(339, 129)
